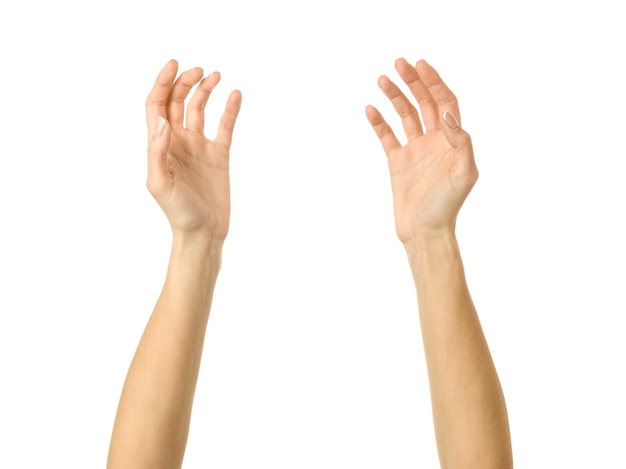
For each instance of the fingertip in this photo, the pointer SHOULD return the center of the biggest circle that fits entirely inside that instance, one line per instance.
(210, 81)
(400, 62)
(451, 128)
(235, 98)
(374, 117)
(383, 80)
(421, 64)
(159, 127)
(194, 73)
(171, 65)
(450, 120)
(168, 72)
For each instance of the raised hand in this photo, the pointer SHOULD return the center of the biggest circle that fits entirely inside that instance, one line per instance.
(432, 174)
(188, 173)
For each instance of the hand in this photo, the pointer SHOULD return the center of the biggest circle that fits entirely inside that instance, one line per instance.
(188, 173)
(432, 174)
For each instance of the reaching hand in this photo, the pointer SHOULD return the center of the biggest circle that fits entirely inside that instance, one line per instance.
(432, 174)
(188, 173)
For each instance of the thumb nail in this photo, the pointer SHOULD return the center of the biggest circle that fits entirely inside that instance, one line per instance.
(450, 120)
(160, 126)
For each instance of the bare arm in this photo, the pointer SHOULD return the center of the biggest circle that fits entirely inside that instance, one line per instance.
(188, 176)
(431, 176)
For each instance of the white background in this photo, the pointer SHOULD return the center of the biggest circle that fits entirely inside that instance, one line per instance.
(313, 355)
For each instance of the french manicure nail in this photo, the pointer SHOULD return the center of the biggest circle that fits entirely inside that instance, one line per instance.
(160, 126)
(450, 120)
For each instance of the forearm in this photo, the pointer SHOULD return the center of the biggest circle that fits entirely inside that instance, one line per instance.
(152, 421)
(469, 410)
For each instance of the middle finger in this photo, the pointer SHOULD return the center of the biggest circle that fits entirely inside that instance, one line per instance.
(178, 94)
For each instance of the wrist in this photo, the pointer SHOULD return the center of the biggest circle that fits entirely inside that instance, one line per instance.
(197, 249)
(197, 240)
(432, 249)
(431, 238)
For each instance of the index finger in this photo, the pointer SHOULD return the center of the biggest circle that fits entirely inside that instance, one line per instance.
(156, 103)
(445, 99)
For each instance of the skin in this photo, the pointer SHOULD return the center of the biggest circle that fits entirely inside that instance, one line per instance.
(431, 176)
(188, 177)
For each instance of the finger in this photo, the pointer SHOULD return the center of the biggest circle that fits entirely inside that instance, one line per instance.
(383, 131)
(157, 99)
(451, 129)
(178, 93)
(158, 172)
(467, 173)
(410, 118)
(455, 135)
(227, 122)
(445, 99)
(428, 107)
(195, 108)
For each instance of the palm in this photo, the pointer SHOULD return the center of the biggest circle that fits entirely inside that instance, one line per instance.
(200, 197)
(424, 194)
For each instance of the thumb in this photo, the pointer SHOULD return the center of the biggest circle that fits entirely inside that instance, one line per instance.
(462, 144)
(452, 129)
(158, 145)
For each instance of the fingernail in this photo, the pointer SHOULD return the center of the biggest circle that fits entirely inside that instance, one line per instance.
(160, 126)
(450, 120)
